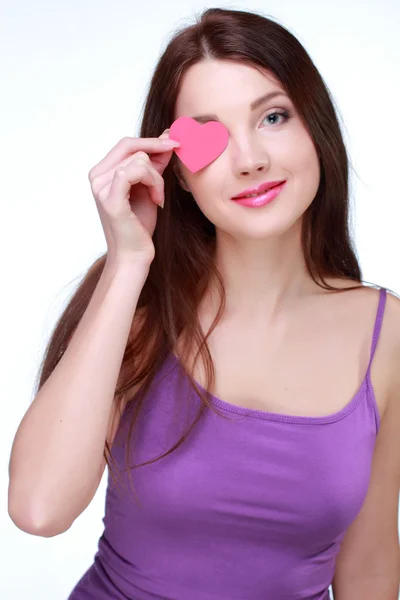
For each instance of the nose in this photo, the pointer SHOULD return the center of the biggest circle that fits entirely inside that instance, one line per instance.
(249, 159)
(250, 170)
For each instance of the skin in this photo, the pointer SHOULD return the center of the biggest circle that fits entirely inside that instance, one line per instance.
(258, 249)
(272, 303)
(277, 310)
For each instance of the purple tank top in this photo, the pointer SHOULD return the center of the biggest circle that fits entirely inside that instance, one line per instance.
(253, 506)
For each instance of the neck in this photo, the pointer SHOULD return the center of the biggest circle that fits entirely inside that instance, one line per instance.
(262, 278)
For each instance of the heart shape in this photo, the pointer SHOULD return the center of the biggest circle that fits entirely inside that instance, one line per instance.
(200, 144)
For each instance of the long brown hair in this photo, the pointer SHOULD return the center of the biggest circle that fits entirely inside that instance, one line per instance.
(184, 238)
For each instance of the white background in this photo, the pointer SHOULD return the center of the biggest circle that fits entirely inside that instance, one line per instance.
(74, 79)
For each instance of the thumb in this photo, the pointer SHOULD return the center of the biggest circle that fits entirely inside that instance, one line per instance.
(160, 160)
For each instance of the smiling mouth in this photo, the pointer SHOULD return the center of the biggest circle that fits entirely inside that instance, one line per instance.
(264, 191)
(259, 194)
(257, 200)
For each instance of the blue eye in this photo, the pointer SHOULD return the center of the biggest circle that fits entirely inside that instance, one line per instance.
(282, 113)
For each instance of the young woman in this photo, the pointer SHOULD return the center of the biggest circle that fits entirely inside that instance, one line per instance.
(280, 475)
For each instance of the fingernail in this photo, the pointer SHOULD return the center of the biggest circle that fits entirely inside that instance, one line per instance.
(170, 143)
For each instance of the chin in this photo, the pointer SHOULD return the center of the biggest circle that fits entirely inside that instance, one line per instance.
(262, 227)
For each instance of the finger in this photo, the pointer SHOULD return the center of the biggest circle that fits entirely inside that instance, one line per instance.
(125, 177)
(165, 134)
(158, 160)
(128, 146)
(106, 178)
(161, 160)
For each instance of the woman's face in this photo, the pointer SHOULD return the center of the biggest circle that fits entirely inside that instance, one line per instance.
(263, 146)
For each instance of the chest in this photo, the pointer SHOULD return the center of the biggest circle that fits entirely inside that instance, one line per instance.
(309, 366)
(249, 481)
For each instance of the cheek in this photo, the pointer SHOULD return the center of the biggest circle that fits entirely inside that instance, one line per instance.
(307, 154)
(309, 180)
(305, 163)
(208, 193)
(206, 183)
(313, 168)
(311, 156)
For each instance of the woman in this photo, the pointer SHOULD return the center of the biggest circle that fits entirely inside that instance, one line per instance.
(249, 484)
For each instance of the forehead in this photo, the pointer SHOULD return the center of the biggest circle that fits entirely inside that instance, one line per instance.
(213, 85)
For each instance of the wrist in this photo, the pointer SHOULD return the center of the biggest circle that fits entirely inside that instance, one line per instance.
(132, 269)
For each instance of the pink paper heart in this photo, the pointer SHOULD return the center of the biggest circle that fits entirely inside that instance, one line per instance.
(200, 144)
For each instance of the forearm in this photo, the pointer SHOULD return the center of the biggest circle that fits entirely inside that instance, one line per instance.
(58, 448)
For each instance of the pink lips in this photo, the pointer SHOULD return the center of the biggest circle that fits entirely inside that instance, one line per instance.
(263, 187)
(262, 199)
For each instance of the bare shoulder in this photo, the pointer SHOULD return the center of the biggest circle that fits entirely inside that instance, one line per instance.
(392, 315)
(366, 300)
(392, 327)
(371, 542)
(358, 310)
(388, 352)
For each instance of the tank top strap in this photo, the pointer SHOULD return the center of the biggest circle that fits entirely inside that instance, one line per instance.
(378, 323)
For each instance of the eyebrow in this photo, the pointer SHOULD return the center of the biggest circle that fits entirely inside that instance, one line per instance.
(253, 106)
